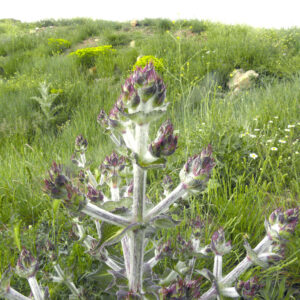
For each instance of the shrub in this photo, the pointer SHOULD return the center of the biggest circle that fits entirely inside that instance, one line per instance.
(87, 56)
(58, 45)
(144, 60)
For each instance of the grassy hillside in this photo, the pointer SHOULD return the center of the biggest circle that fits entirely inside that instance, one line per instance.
(198, 59)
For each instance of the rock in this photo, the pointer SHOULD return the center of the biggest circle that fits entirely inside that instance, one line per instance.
(133, 23)
(241, 80)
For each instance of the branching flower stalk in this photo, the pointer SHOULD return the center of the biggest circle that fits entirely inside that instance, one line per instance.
(119, 198)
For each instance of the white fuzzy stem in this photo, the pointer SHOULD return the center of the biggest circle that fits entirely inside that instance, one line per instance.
(12, 294)
(218, 267)
(137, 237)
(231, 277)
(101, 214)
(163, 205)
(92, 178)
(115, 193)
(35, 288)
(126, 254)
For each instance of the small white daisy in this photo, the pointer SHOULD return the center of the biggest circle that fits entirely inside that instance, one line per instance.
(291, 126)
(253, 155)
(287, 129)
(256, 129)
(270, 121)
(276, 117)
(269, 141)
(252, 135)
(255, 119)
(282, 141)
(296, 152)
(274, 149)
(242, 135)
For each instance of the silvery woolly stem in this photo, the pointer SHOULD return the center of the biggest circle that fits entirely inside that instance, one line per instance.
(238, 270)
(12, 294)
(218, 261)
(101, 214)
(163, 205)
(115, 196)
(136, 238)
(35, 288)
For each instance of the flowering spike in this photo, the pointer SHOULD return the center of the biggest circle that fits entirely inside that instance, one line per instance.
(248, 289)
(80, 144)
(197, 169)
(165, 142)
(281, 225)
(218, 244)
(27, 265)
(111, 167)
(56, 184)
(94, 195)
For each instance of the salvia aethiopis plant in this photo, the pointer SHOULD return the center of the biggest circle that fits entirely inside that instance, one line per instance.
(118, 199)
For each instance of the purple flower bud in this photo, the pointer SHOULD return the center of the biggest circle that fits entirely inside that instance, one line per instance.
(164, 250)
(94, 195)
(249, 288)
(56, 184)
(197, 169)
(129, 95)
(165, 142)
(102, 119)
(149, 84)
(281, 224)
(197, 226)
(130, 189)
(183, 289)
(27, 265)
(80, 144)
(184, 250)
(218, 244)
(113, 164)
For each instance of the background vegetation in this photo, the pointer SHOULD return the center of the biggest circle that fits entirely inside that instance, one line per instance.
(198, 58)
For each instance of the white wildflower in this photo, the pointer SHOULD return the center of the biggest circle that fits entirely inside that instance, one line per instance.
(274, 149)
(282, 141)
(253, 155)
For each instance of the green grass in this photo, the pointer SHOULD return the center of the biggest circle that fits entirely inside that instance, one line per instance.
(198, 59)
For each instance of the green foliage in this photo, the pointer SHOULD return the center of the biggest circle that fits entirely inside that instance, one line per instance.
(87, 56)
(242, 190)
(47, 102)
(164, 24)
(144, 60)
(57, 46)
(117, 39)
